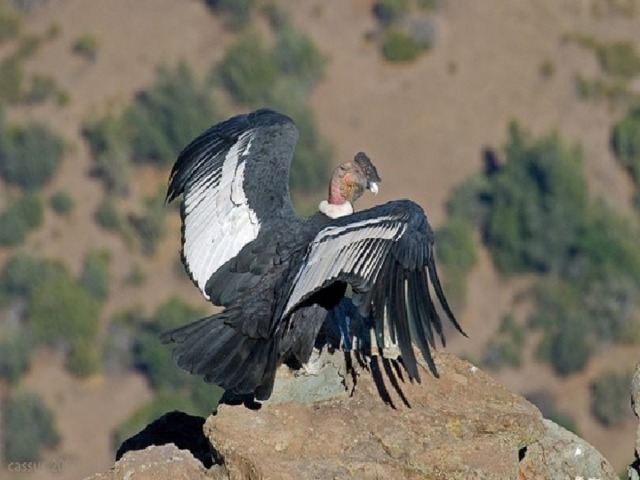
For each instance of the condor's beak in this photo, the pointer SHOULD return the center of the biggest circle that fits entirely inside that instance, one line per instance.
(373, 187)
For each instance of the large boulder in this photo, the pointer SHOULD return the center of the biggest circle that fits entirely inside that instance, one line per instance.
(461, 425)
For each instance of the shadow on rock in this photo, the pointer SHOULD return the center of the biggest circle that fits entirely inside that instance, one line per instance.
(183, 430)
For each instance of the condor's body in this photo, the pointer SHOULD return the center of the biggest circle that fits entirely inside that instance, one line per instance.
(279, 276)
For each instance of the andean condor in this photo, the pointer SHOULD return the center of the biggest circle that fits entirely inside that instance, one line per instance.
(278, 276)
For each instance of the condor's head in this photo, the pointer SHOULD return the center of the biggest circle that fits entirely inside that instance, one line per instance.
(348, 183)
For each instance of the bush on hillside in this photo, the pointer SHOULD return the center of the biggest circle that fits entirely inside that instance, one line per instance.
(29, 154)
(83, 359)
(237, 13)
(28, 428)
(9, 24)
(400, 46)
(15, 355)
(61, 202)
(95, 274)
(62, 312)
(41, 89)
(168, 115)
(388, 12)
(109, 142)
(296, 55)
(20, 217)
(618, 59)
(538, 204)
(625, 142)
(22, 273)
(506, 346)
(86, 46)
(567, 342)
(456, 252)
(108, 217)
(11, 81)
(248, 71)
(150, 224)
(470, 200)
(610, 397)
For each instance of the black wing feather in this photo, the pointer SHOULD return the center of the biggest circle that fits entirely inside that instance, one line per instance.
(392, 286)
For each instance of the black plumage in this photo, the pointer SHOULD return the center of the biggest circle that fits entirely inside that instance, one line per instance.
(279, 277)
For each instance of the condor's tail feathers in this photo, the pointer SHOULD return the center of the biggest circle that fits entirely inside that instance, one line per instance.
(225, 356)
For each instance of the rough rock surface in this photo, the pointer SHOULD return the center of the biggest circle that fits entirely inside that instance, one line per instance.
(462, 425)
(164, 462)
(459, 426)
(561, 454)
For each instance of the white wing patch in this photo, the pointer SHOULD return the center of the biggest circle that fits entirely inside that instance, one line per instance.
(218, 221)
(358, 248)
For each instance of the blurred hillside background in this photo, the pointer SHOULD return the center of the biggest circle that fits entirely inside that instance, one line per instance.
(515, 124)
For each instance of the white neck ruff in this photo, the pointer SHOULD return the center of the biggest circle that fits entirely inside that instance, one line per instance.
(335, 211)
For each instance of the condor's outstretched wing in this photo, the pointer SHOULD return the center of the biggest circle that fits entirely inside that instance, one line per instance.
(234, 179)
(386, 254)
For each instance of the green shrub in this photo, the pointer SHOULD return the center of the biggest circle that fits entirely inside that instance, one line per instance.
(610, 397)
(547, 69)
(567, 342)
(62, 312)
(20, 217)
(237, 12)
(296, 55)
(399, 46)
(164, 118)
(11, 81)
(28, 428)
(22, 273)
(136, 276)
(86, 46)
(506, 346)
(84, 359)
(470, 200)
(248, 71)
(95, 274)
(606, 246)
(619, 59)
(388, 12)
(109, 142)
(15, 355)
(611, 303)
(455, 246)
(107, 216)
(61, 202)
(9, 24)
(456, 252)
(29, 154)
(150, 225)
(538, 204)
(42, 88)
(625, 142)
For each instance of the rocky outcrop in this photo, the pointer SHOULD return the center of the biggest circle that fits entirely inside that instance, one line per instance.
(462, 425)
